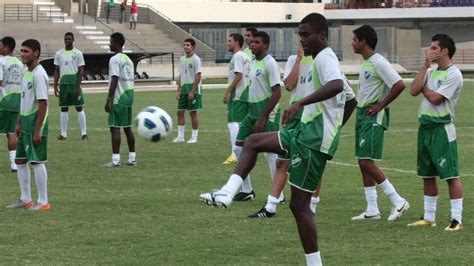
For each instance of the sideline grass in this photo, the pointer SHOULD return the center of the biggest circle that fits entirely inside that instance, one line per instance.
(150, 214)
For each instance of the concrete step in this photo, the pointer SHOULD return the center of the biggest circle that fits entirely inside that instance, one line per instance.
(91, 32)
(85, 27)
(98, 37)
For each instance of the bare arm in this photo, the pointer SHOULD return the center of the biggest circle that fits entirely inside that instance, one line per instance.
(80, 75)
(331, 89)
(397, 88)
(432, 97)
(110, 95)
(56, 81)
(348, 109)
(231, 88)
(42, 109)
(419, 81)
(276, 95)
(292, 79)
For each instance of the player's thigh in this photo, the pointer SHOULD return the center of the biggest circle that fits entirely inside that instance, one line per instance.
(120, 116)
(8, 122)
(182, 102)
(284, 140)
(369, 141)
(443, 148)
(246, 128)
(236, 111)
(306, 168)
(26, 150)
(195, 103)
(265, 142)
(425, 166)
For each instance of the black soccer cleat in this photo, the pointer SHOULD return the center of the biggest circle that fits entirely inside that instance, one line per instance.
(244, 196)
(262, 213)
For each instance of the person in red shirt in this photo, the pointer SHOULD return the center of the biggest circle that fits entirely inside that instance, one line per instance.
(133, 15)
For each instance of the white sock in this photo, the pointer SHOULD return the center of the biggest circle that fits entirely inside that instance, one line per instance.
(12, 155)
(371, 198)
(81, 116)
(313, 204)
(272, 203)
(132, 157)
(430, 208)
(233, 130)
(116, 158)
(233, 185)
(390, 191)
(313, 259)
(456, 209)
(24, 180)
(194, 133)
(181, 132)
(247, 184)
(41, 177)
(64, 119)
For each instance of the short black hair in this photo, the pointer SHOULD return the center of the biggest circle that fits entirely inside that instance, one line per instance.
(238, 37)
(317, 21)
(252, 30)
(33, 45)
(368, 34)
(118, 38)
(445, 42)
(191, 41)
(69, 34)
(261, 34)
(9, 42)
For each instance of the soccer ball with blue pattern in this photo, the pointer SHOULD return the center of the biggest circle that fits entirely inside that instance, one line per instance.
(153, 123)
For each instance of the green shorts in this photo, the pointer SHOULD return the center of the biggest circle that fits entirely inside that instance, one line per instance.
(369, 134)
(66, 97)
(189, 105)
(120, 116)
(293, 124)
(306, 164)
(247, 126)
(25, 149)
(236, 110)
(437, 151)
(8, 122)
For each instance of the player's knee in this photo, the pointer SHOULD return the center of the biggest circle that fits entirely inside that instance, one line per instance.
(64, 109)
(365, 164)
(296, 207)
(79, 109)
(282, 165)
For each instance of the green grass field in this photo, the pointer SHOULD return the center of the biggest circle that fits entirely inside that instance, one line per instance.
(151, 214)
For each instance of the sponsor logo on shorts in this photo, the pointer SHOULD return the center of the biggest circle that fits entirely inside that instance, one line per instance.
(442, 162)
(295, 160)
(362, 143)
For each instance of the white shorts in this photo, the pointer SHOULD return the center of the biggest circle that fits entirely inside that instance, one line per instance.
(133, 17)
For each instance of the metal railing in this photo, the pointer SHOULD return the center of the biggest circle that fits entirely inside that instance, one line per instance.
(18, 12)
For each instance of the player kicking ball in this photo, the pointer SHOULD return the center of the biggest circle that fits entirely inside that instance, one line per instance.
(32, 129)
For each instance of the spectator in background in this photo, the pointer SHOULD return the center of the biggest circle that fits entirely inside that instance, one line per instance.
(123, 7)
(133, 15)
(110, 5)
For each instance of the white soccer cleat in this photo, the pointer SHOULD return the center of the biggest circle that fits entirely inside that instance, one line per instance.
(192, 140)
(208, 198)
(178, 140)
(223, 199)
(397, 211)
(366, 216)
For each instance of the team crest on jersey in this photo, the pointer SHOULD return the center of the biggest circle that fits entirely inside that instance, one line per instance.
(30, 85)
(258, 72)
(442, 162)
(439, 83)
(295, 160)
(310, 77)
(190, 65)
(367, 74)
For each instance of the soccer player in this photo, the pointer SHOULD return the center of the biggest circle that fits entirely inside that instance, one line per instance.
(440, 86)
(297, 68)
(236, 95)
(120, 100)
(32, 129)
(311, 144)
(264, 112)
(189, 91)
(379, 85)
(249, 32)
(68, 73)
(10, 91)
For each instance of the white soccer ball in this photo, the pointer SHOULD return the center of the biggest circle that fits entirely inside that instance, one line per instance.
(153, 123)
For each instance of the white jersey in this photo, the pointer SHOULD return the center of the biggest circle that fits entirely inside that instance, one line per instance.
(321, 122)
(69, 62)
(376, 79)
(298, 92)
(447, 83)
(240, 63)
(188, 68)
(122, 67)
(10, 74)
(264, 74)
(34, 87)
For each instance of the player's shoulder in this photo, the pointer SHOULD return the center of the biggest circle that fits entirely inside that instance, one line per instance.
(60, 51)
(39, 71)
(377, 59)
(454, 71)
(269, 60)
(327, 54)
(79, 52)
(196, 57)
